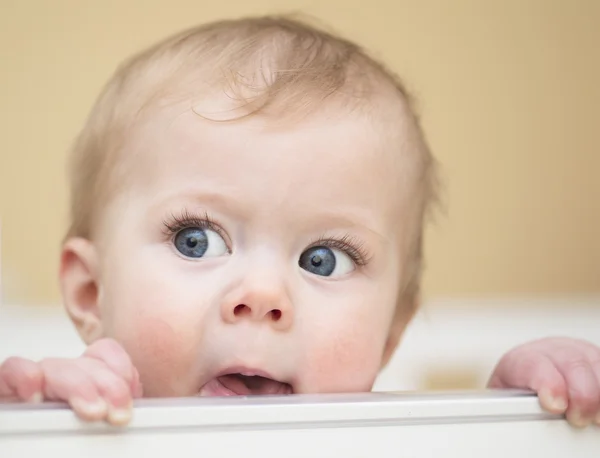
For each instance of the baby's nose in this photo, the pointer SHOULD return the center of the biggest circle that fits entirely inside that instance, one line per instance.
(261, 303)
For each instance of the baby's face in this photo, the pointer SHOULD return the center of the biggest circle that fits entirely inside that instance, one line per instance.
(254, 249)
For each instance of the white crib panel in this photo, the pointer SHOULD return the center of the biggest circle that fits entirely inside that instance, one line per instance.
(449, 425)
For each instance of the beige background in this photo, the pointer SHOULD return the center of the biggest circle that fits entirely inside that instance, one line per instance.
(509, 91)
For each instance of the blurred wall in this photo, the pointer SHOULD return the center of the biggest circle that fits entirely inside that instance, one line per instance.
(509, 92)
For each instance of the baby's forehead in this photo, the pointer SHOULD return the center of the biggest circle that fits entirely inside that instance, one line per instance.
(328, 162)
(381, 112)
(378, 132)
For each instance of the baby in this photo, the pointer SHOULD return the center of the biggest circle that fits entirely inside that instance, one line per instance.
(248, 203)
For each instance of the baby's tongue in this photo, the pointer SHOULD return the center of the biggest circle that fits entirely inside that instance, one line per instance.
(247, 385)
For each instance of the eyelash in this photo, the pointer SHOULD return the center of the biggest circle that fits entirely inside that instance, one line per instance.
(350, 245)
(185, 220)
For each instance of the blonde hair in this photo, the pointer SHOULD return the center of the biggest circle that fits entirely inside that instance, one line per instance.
(264, 61)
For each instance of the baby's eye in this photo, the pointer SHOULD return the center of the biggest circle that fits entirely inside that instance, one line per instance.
(195, 242)
(325, 261)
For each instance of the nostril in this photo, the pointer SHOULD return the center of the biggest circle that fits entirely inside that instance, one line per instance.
(240, 309)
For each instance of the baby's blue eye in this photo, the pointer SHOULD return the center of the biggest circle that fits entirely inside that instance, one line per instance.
(326, 262)
(195, 242)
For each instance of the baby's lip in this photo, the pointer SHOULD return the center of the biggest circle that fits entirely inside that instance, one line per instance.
(245, 381)
(247, 371)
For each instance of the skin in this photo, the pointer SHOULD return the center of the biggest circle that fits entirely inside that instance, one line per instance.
(160, 324)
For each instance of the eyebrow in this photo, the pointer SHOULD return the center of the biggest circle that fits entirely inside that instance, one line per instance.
(204, 197)
(350, 219)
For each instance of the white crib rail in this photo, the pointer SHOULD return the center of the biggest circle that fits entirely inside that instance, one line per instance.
(480, 424)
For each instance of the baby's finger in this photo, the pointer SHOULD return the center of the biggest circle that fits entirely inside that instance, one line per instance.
(583, 389)
(115, 391)
(550, 385)
(116, 358)
(533, 371)
(596, 369)
(22, 379)
(136, 385)
(66, 381)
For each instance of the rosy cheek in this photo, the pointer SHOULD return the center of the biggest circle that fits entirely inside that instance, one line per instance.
(343, 362)
(156, 322)
(158, 350)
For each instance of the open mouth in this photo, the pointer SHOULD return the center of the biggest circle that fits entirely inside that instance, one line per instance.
(237, 384)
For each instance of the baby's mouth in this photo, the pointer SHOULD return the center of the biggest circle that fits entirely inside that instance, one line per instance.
(237, 384)
(253, 384)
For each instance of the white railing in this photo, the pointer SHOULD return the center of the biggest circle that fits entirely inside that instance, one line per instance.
(448, 425)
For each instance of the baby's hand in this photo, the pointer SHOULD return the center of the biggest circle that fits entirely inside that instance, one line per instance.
(565, 373)
(99, 385)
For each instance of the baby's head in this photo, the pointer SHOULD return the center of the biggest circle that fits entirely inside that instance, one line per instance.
(248, 197)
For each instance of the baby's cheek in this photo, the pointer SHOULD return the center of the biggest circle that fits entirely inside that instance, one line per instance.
(163, 354)
(343, 362)
(156, 320)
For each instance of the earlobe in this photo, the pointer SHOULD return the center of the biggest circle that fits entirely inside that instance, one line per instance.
(79, 281)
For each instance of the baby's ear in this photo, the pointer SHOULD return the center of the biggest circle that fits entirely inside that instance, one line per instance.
(405, 312)
(80, 287)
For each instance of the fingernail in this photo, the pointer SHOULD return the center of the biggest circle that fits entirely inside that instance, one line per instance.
(119, 416)
(577, 419)
(558, 404)
(95, 409)
(553, 403)
(36, 398)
